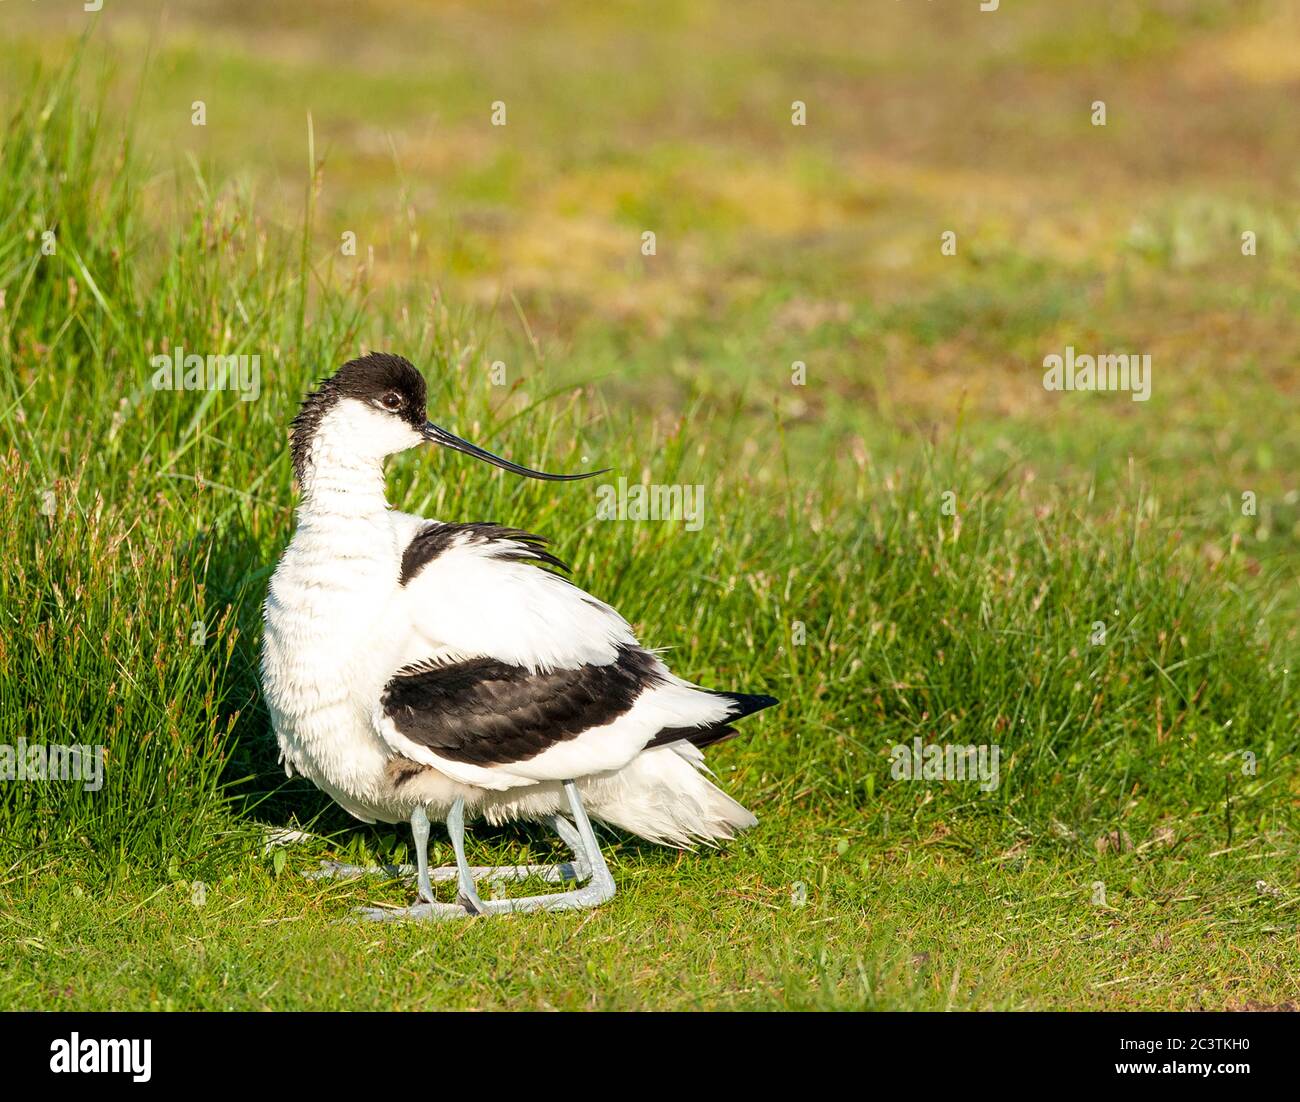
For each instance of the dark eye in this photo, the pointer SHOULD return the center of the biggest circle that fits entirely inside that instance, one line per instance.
(391, 401)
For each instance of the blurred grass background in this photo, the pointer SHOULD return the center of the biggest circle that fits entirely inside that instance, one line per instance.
(775, 244)
(779, 243)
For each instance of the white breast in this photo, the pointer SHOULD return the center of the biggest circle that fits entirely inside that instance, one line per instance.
(329, 646)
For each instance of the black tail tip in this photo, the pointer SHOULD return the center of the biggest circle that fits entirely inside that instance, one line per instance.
(744, 703)
(749, 703)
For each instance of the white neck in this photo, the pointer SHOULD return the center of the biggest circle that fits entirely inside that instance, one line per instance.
(344, 474)
(338, 484)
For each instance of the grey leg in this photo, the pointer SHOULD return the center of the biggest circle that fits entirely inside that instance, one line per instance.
(465, 874)
(571, 838)
(599, 888)
(468, 897)
(420, 871)
(555, 874)
(336, 870)
(428, 907)
(468, 875)
(420, 834)
(426, 877)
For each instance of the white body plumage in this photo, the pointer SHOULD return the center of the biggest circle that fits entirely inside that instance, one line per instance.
(341, 621)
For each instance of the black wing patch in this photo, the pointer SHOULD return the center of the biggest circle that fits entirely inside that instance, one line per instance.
(485, 712)
(434, 538)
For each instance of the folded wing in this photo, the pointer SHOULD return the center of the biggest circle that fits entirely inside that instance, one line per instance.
(513, 675)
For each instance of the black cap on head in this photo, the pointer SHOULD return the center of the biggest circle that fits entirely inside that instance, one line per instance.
(388, 382)
(378, 376)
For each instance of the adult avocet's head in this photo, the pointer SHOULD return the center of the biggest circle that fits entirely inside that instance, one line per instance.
(371, 408)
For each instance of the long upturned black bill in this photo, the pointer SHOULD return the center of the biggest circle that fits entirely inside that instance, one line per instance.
(436, 435)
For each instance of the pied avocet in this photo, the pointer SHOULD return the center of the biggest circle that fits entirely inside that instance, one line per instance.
(417, 668)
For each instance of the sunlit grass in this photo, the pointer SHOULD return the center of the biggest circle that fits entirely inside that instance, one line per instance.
(131, 607)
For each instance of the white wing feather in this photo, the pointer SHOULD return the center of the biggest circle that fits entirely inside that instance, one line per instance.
(470, 602)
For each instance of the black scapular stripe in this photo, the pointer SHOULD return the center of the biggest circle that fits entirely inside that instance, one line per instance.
(435, 537)
(485, 712)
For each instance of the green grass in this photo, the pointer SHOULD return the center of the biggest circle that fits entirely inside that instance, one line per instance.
(943, 923)
(138, 528)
